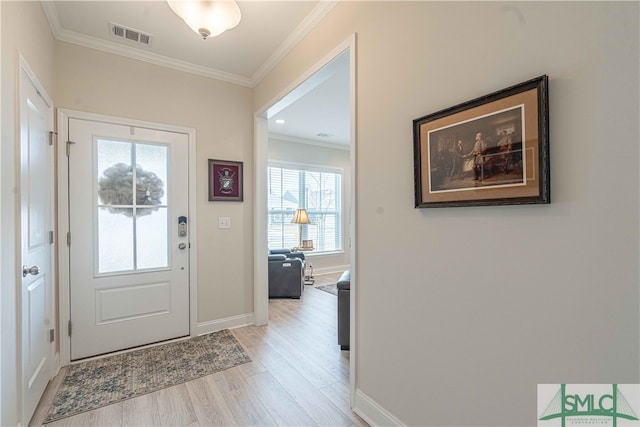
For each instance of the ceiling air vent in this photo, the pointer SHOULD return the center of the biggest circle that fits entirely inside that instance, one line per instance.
(144, 38)
(124, 33)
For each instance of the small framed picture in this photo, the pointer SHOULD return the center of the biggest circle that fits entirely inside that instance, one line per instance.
(225, 180)
(307, 244)
(493, 150)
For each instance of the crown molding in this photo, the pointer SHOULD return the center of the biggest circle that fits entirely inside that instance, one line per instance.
(307, 24)
(62, 34)
(151, 58)
(298, 140)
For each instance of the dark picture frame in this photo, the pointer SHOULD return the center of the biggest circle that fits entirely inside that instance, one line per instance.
(492, 150)
(225, 181)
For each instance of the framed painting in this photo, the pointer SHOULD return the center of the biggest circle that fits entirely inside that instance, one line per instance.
(225, 181)
(493, 150)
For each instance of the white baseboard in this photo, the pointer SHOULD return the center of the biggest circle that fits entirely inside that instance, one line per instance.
(56, 364)
(330, 270)
(372, 413)
(226, 323)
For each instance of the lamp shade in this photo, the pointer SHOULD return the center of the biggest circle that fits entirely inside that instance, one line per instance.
(300, 217)
(208, 18)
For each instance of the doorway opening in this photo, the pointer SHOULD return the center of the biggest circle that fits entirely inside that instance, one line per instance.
(273, 140)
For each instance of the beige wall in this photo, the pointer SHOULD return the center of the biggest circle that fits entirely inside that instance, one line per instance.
(291, 152)
(25, 30)
(461, 312)
(97, 82)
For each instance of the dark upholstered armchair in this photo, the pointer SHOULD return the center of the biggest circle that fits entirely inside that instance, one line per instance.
(344, 311)
(288, 253)
(286, 273)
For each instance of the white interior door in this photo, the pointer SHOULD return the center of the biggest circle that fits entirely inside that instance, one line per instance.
(36, 218)
(129, 254)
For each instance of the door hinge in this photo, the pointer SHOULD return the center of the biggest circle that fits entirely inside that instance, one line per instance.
(69, 147)
(68, 238)
(52, 335)
(52, 135)
(51, 237)
(69, 327)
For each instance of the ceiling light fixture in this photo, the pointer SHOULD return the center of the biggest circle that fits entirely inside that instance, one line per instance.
(208, 18)
(280, 121)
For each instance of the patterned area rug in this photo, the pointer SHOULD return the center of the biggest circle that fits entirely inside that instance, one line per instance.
(96, 383)
(332, 289)
(327, 282)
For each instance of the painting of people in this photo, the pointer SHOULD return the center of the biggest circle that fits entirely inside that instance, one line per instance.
(482, 152)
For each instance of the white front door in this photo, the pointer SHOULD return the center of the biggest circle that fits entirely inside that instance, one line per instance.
(129, 249)
(36, 218)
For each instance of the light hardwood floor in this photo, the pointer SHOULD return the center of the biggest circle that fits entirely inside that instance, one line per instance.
(297, 377)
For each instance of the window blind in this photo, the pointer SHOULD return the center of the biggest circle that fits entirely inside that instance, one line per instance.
(319, 192)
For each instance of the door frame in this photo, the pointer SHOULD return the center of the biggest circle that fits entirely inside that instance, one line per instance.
(260, 147)
(63, 218)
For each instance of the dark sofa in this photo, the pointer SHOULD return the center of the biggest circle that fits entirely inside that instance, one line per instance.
(344, 311)
(286, 273)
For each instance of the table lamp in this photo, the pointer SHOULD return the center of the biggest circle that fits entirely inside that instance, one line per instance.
(300, 217)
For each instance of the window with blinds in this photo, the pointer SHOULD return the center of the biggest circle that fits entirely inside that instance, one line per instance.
(319, 192)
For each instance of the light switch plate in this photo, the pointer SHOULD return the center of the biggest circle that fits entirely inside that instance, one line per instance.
(224, 222)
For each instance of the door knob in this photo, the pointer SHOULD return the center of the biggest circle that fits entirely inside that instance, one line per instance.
(182, 246)
(34, 270)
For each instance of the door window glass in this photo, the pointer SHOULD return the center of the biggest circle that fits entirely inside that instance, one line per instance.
(132, 231)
